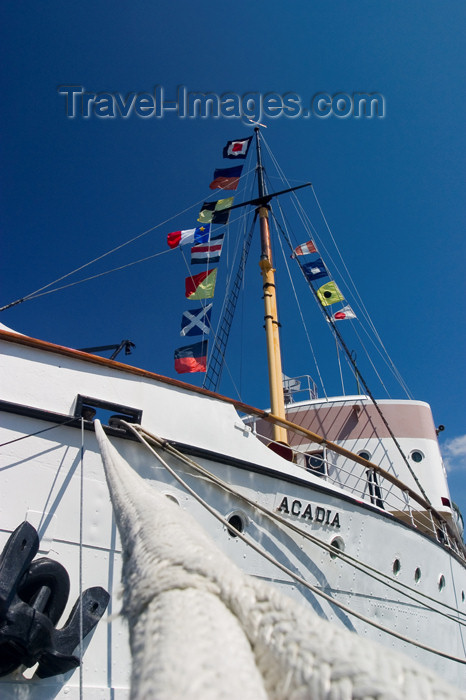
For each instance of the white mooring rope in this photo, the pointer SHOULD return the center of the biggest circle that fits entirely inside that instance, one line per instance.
(201, 628)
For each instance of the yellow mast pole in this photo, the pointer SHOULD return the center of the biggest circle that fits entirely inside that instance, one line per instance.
(277, 400)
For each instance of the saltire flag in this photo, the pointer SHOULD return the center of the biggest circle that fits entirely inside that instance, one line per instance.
(329, 294)
(345, 314)
(208, 253)
(196, 321)
(226, 178)
(213, 212)
(305, 248)
(237, 149)
(193, 235)
(202, 285)
(191, 358)
(315, 269)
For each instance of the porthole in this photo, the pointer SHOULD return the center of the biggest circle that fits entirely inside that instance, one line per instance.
(237, 525)
(462, 596)
(417, 575)
(417, 456)
(365, 454)
(441, 582)
(396, 568)
(315, 462)
(338, 544)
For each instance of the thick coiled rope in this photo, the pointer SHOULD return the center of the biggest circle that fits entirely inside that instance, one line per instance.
(201, 628)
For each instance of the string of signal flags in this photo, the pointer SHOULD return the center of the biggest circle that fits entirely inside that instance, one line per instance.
(329, 293)
(207, 248)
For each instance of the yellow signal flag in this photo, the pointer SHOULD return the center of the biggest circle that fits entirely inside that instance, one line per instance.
(329, 294)
(202, 285)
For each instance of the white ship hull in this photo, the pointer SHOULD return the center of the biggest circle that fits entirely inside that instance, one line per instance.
(55, 480)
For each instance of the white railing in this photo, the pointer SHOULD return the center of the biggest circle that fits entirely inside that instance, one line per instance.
(367, 482)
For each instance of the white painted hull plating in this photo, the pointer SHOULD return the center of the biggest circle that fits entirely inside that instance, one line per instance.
(41, 482)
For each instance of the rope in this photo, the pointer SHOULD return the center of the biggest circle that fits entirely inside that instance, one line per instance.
(200, 627)
(282, 567)
(379, 576)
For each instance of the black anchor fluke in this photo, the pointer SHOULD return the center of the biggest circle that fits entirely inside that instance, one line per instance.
(33, 596)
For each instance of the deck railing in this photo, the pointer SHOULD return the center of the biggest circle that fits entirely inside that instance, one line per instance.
(371, 484)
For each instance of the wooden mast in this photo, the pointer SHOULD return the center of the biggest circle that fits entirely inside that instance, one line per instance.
(277, 400)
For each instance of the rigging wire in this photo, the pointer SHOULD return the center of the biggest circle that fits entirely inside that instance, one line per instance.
(383, 357)
(290, 277)
(326, 316)
(230, 291)
(308, 225)
(316, 364)
(36, 293)
(93, 277)
(360, 377)
(286, 235)
(311, 229)
(371, 362)
(363, 306)
(38, 432)
(100, 257)
(240, 250)
(339, 367)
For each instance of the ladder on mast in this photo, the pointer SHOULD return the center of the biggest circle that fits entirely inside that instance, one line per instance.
(217, 357)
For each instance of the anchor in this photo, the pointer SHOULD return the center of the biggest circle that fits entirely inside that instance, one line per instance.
(33, 596)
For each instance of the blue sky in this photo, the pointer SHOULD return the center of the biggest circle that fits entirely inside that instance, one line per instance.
(391, 188)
